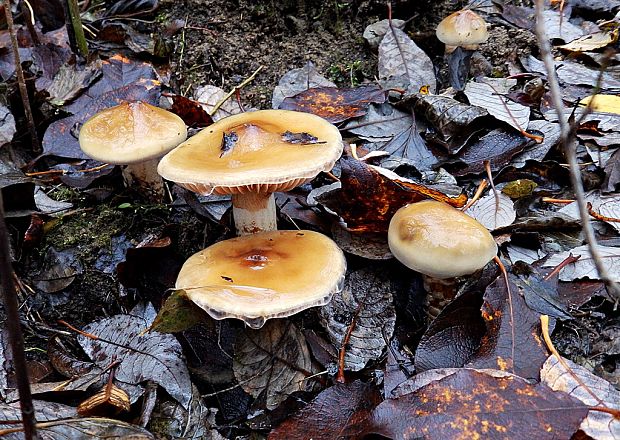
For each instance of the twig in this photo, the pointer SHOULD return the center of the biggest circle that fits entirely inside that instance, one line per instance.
(567, 140)
(601, 217)
(558, 201)
(568, 260)
(14, 328)
(29, 19)
(345, 341)
(234, 90)
(21, 80)
(483, 184)
(487, 167)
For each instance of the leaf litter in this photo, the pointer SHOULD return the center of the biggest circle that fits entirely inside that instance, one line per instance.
(413, 145)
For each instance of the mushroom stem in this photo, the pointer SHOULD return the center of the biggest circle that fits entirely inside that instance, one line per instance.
(439, 292)
(254, 212)
(144, 178)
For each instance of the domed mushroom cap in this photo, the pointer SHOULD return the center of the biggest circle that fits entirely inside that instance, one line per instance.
(438, 240)
(265, 275)
(463, 28)
(259, 157)
(131, 132)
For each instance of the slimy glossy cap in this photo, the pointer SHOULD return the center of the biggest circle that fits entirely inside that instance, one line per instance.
(438, 240)
(264, 275)
(131, 132)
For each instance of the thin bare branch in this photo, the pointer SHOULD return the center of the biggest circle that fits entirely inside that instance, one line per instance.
(569, 144)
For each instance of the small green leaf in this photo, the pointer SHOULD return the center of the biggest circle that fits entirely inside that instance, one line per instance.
(177, 314)
(124, 206)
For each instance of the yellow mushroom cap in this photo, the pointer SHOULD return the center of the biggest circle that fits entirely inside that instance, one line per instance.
(259, 160)
(438, 240)
(131, 132)
(264, 275)
(463, 28)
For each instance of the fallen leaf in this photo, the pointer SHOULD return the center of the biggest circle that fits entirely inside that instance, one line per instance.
(558, 27)
(598, 425)
(177, 314)
(366, 304)
(59, 270)
(497, 147)
(296, 81)
(374, 33)
(400, 57)
(192, 112)
(455, 122)
(330, 414)
(209, 96)
(584, 267)
(612, 173)
(490, 213)
(152, 356)
(7, 125)
(589, 42)
(490, 94)
(570, 72)
(367, 199)
(272, 363)
(5, 362)
(475, 404)
(512, 341)
(49, 206)
(408, 148)
(536, 151)
(333, 104)
(381, 123)
(610, 207)
(453, 336)
(602, 103)
(370, 245)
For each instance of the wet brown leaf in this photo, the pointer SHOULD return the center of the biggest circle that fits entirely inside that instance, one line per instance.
(192, 112)
(333, 104)
(331, 413)
(108, 401)
(473, 404)
(368, 200)
(271, 363)
(512, 341)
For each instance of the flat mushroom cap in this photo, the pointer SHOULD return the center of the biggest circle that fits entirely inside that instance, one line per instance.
(462, 28)
(259, 160)
(131, 132)
(438, 240)
(264, 275)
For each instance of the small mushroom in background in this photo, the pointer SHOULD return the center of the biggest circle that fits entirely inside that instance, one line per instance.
(462, 32)
(265, 275)
(441, 243)
(251, 156)
(135, 134)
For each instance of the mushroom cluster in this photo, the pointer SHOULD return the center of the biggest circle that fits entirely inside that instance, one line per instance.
(441, 243)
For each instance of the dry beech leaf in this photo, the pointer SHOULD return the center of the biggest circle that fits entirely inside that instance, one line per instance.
(399, 56)
(489, 93)
(602, 103)
(476, 404)
(270, 363)
(558, 27)
(330, 414)
(333, 104)
(590, 42)
(597, 425)
(209, 96)
(367, 300)
(296, 81)
(491, 214)
(512, 341)
(584, 267)
(152, 356)
(107, 401)
(368, 199)
(374, 33)
(610, 207)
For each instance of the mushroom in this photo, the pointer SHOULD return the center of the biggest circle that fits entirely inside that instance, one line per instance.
(462, 32)
(265, 275)
(251, 156)
(441, 243)
(135, 134)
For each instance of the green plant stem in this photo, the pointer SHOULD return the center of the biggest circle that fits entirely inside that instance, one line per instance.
(76, 24)
(13, 327)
